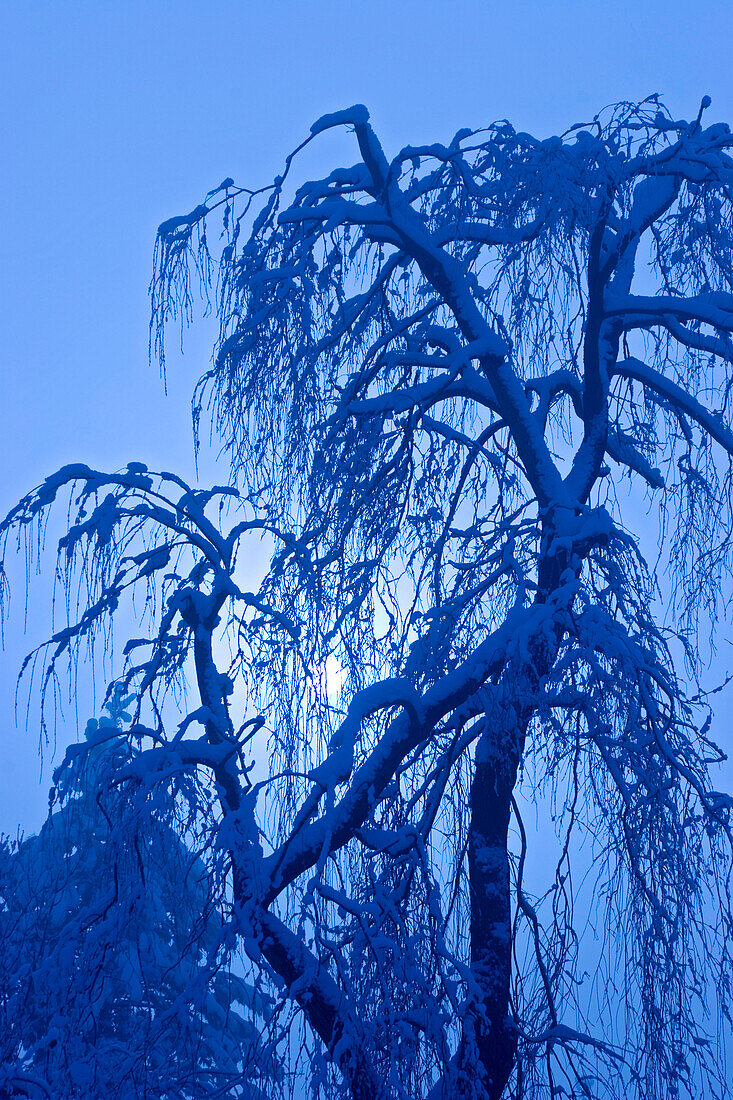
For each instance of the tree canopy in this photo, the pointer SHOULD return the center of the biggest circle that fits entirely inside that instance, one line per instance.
(452, 757)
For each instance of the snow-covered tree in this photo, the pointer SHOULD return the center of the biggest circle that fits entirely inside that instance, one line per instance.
(111, 983)
(453, 756)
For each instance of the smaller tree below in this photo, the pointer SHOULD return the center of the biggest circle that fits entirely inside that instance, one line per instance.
(111, 973)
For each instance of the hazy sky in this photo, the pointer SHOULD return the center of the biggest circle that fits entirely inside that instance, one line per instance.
(117, 114)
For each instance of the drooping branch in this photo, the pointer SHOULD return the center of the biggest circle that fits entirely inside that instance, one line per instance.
(678, 398)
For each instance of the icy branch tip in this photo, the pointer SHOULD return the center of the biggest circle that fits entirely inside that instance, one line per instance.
(355, 116)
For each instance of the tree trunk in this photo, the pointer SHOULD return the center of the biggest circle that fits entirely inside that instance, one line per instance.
(489, 1043)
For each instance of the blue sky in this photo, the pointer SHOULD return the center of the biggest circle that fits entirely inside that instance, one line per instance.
(117, 114)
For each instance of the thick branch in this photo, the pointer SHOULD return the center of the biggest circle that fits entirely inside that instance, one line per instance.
(448, 277)
(325, 1005)
(332, 831)
(714, 308)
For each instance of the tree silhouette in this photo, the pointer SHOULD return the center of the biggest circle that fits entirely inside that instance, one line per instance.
(451, 385)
